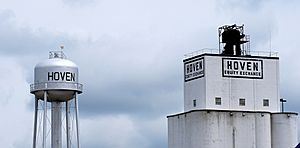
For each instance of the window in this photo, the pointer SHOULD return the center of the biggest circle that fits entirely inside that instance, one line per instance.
(266, 102)
(194, 103)
(218, 101)
(242, 102)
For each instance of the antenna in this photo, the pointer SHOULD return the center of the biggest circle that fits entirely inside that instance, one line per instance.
(270, 42)
(62, 47)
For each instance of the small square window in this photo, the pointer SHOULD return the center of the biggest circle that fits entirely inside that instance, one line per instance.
(242, 102)
(266, 102)
(194, 103)
(218, 101)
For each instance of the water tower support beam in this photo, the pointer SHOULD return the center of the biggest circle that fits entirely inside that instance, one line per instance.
(68, 125)
(77, 121)
(56, 130)
(35, 122)
(45, 120)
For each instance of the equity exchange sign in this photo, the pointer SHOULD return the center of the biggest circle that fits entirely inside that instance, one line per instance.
(193, 69)
(242, 68)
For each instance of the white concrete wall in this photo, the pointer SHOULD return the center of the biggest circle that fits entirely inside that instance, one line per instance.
(284, 130)
(195, 90)
(215, 129)
(231, 89)
(230, 125)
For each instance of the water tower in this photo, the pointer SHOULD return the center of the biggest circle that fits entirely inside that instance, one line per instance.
(56, 88)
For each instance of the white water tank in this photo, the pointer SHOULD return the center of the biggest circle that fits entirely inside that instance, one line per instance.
(58, 76)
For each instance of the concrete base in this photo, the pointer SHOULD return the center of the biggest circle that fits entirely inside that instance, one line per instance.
(232, 129)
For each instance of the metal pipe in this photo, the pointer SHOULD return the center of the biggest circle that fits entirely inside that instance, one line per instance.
(56, 130)
(67, 125)
(35, 122)
(282, 104)
(77, 121)
(44, 120)
(219, 41)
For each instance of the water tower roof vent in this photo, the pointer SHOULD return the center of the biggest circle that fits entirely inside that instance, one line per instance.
(57, 54)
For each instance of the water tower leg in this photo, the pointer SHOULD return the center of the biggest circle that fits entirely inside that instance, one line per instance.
(45, 120)
(56, 130)
(68, 124)
(77, 121)
(35, 122)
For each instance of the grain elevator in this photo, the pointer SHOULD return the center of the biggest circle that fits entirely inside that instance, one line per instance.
(232, 98)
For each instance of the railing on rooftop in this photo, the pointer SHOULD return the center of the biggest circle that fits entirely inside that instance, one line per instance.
(202, 51)
(264, 53)
(216, 51)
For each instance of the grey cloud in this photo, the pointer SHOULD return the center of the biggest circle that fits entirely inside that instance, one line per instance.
(78, 3)
(28, 45)
(16, 125)
(22, 40)
(248, 5)
(134, 68)
(125, 84)
(132, 100)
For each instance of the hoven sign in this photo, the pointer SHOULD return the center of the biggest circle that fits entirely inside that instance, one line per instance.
(242, 68)
(61, 76)
(193, 69)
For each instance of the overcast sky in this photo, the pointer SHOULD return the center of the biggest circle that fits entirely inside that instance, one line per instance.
(130, 58)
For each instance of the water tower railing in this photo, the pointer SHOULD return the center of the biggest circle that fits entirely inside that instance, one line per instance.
(56, 85)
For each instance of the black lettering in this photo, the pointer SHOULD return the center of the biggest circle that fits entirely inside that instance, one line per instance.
(229, 64)
(200, 65)
(195, 66)
(187, 69)
(186, 76)
(56, 76)
(62, 75)
(73, 77)
(68, 76)
(50, 75)
(248, 65)
(242, 65)
(255, 66)
(235, 65)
